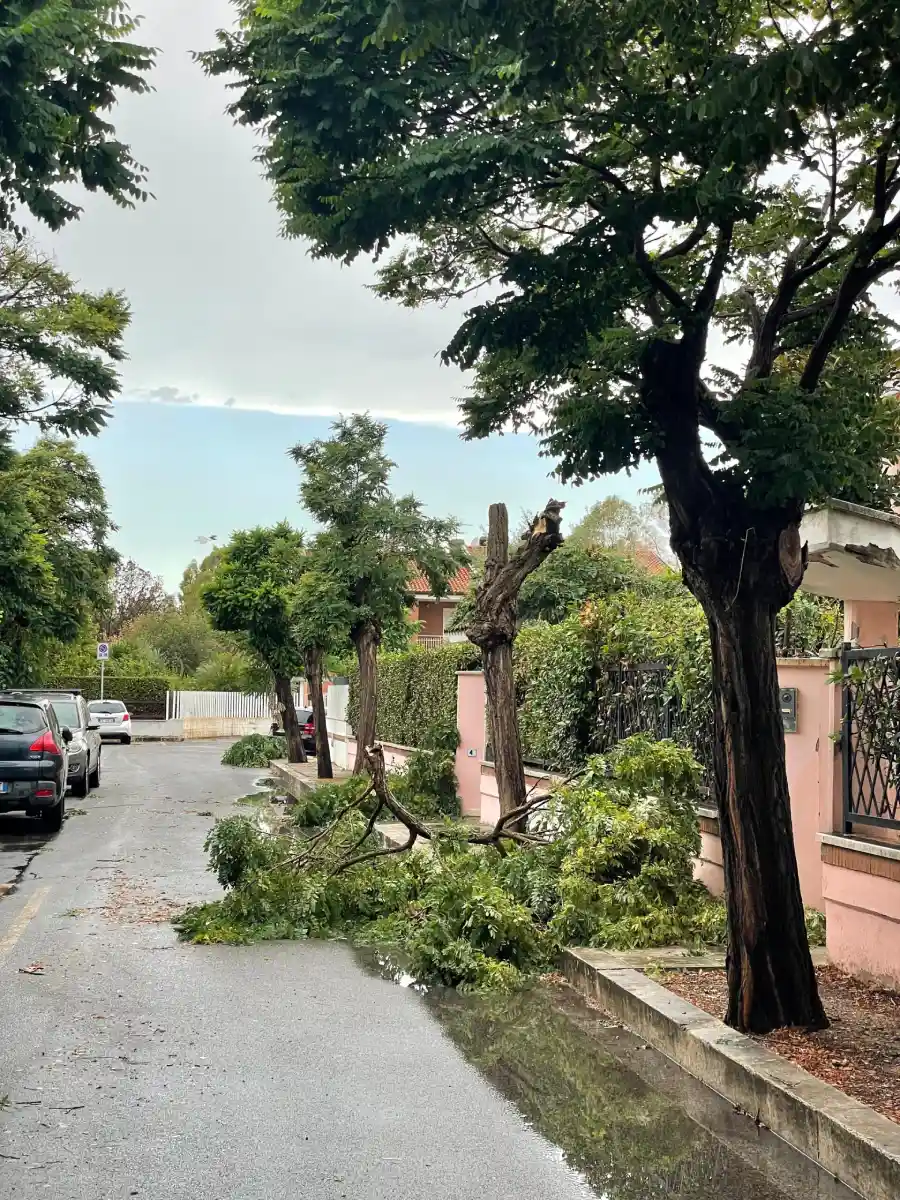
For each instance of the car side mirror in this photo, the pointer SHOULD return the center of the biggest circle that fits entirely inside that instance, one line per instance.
(66, 734)
(93, 723)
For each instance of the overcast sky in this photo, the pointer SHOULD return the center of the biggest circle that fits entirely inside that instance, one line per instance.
(225, 311)
(240, 344)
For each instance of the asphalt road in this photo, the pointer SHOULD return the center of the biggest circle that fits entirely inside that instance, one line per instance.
(135, 1066)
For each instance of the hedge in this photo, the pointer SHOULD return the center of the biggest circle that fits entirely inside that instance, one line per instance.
(144, 696)
(416, 690)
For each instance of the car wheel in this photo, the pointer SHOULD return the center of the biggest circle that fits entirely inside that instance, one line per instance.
(52, 819)
(95, 774)
(82, 785)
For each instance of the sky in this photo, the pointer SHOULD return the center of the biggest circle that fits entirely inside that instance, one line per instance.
(241, 345)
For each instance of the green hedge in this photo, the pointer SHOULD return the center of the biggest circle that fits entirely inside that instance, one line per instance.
(144, 696)
(416, 690)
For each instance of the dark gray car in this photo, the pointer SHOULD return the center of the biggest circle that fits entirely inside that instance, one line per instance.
(33, 760)
(84, 749)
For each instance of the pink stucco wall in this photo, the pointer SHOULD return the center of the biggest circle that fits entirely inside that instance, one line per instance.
(813, 765)
(708, 866)
(862, 914)
(470, 714)
(535, 785)
(871, 622)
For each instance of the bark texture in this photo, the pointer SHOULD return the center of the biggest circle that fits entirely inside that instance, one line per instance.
(285, 697)
(366, 638)
(493, 629)
(314, 679)
(743, 563)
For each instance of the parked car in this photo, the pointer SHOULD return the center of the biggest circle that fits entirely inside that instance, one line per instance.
(71, 712)
(307, 729)
(113, 718)
(34, 759)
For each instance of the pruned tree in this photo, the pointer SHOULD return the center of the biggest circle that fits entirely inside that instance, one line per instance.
(633, 180)
(134, 592)
(373, 542)
(252, 593)
(64, 65)
(493, 625)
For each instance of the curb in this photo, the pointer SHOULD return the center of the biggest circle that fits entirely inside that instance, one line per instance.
(851, 1141)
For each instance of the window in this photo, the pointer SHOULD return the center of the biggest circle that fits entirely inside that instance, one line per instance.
(21, 718)
(67, 713)
(106, 706)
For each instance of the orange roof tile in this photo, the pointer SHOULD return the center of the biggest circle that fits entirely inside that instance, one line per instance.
(458, 585)
(646, 557)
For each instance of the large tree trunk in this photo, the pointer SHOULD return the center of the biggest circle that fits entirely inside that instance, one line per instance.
(314, 680)
(743, 563)
(367, 639)
(296, 752)
(493, 628)
(771, 981)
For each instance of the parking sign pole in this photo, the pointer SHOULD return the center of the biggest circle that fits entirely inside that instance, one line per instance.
(102, 673)
(102, 656)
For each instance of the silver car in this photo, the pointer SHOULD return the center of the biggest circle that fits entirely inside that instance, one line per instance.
(113, 719)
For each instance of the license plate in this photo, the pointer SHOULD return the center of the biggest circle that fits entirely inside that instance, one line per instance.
(4, 787)
(107, 720)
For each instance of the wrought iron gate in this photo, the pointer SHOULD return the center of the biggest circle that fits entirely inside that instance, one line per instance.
(870, 737)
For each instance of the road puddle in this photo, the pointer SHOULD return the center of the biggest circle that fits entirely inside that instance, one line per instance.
(626, 1120)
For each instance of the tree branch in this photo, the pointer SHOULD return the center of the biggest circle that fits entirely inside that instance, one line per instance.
(659, 282)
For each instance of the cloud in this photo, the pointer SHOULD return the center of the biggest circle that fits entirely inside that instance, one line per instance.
(447, 417)
(168, 395)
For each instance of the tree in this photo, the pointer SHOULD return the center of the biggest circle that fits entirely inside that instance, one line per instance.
(573, 575)
(493, 627)
(63, 65)
(58, 344)
(251, 593)
(372, 542)
(631, 179)
(616, 524)
(182, 641)
(321, 616)
(195, 578)
(134, 592)
(55, 559)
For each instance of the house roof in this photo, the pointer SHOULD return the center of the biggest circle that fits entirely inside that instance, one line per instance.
(646, 557)
(458, 584)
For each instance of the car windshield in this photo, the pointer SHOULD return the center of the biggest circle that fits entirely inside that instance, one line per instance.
(67, 713)
(106, 706)
(304, 715)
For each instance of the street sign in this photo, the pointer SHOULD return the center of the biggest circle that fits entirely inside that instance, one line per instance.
(103, 651)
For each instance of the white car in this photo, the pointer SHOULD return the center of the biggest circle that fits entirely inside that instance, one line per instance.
(113, 719)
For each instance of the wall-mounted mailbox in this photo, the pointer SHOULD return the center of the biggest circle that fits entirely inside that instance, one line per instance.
(788, 697)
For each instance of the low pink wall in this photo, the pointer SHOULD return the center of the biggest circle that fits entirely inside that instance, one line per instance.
(470, 721)
(862, 914)
(535, 785)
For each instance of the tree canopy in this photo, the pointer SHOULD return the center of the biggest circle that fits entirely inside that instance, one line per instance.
(64, 65)
(59, 345)
(55, 556)
(371, 540)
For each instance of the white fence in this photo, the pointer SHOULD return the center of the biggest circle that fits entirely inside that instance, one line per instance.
(240, 705)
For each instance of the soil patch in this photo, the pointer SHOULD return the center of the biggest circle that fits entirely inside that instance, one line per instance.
(859, 1053)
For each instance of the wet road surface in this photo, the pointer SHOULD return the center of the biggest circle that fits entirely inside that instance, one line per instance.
(135, 1066)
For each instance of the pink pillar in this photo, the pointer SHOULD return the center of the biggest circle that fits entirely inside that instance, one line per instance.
(470, 714)
(813, 763)
(872, 622)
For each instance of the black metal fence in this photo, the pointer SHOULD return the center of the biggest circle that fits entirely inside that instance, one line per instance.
(642, 699)
(870, 737)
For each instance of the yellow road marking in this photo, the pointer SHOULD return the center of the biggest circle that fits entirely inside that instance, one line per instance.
(20, 924)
